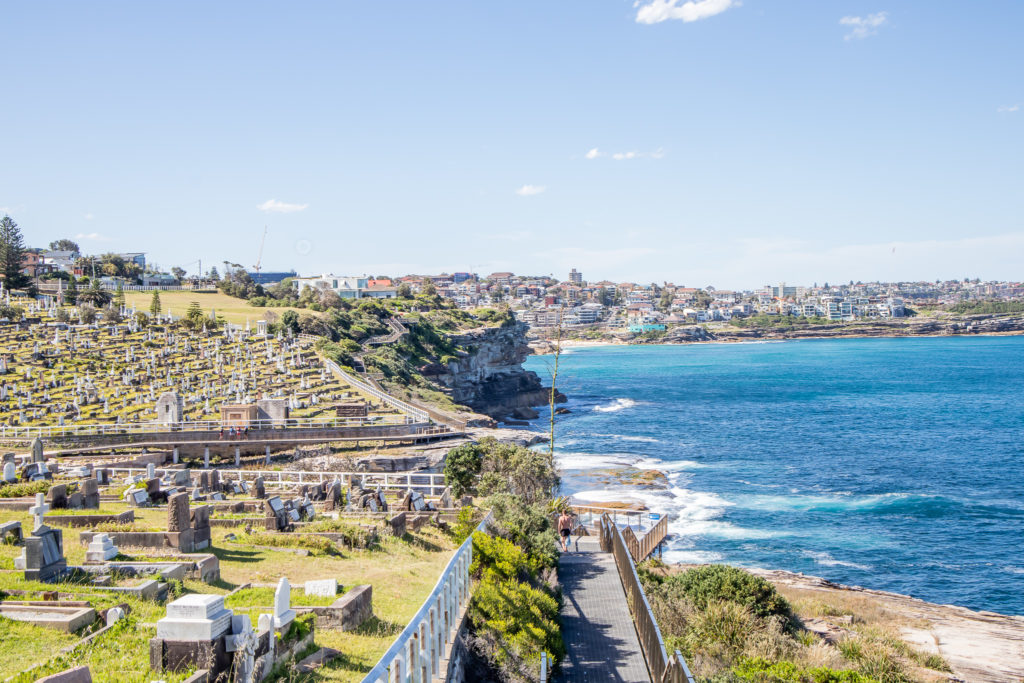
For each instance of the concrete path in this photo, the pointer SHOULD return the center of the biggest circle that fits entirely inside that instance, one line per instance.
(601, 642)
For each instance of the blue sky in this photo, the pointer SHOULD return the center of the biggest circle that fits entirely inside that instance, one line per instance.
(736, 143)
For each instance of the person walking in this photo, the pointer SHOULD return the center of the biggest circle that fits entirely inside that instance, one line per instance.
(564, 529)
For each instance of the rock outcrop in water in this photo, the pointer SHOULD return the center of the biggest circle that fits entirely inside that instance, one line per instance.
(489, 376)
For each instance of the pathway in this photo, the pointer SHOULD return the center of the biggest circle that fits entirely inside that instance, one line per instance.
(601, 642)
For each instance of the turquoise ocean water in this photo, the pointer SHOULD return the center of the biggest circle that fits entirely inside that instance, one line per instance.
(895, 464)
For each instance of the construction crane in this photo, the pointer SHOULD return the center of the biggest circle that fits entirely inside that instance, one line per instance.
(259, 258)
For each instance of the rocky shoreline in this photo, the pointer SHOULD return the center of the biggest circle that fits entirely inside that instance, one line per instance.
(970, 325)
(982, 647)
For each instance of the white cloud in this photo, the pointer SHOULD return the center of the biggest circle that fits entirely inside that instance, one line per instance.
(89, 216)
(1008, 108)
(862, 27)
(530, 190)
(93, 236)
(274, 206)
(657, 11)
(623, 156)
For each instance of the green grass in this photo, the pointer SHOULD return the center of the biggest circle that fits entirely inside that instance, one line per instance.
(231, 309)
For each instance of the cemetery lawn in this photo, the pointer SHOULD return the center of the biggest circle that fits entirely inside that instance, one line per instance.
(401, 571)
(231, 309)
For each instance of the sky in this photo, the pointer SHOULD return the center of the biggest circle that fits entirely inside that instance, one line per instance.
(700, 142)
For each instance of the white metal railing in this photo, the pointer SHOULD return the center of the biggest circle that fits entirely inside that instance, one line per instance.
(203, 426)
(431, 482)
(416, 413)
(416, 654)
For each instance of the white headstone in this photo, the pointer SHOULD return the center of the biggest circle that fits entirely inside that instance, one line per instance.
(10, 472)
(283, 613)
(114, 614)
(150, 471)
(195, 617)
(322, 587)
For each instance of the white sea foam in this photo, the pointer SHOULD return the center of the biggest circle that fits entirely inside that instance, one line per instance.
(1013, 570)
(626, 437)
(826, 560)
(691, 556)
(587, 461)
(667, 466)
(616, 405)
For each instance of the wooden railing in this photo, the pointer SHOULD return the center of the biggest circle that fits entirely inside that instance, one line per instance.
(662, 667)
(641, 548)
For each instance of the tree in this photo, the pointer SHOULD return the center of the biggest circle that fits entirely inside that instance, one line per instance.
(178, 273)
(665, 302)
(404, 291)
(119, 296)
(64, 245)
(213, 274)
(194, 317)
(154, 304)
(94, 296)
(12, 254)
(290, 320)
(112, 315)
(428, 288)
(87, 313)
(142, 320)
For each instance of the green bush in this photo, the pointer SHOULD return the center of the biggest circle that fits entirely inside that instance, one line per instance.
(719, 582)
(29, 488)
(461, 467)
(760, 670)
(519, 621)
(466, 523)
(528, 526)
(496, 556)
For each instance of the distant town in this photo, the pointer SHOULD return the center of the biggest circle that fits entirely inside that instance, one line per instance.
(540, 301)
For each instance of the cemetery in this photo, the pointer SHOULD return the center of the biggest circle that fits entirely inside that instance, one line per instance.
(151, 563)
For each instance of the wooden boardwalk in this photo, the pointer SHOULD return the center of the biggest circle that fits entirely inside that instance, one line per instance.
(601, 641)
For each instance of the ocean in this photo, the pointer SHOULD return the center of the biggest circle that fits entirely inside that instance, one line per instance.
(893, 464)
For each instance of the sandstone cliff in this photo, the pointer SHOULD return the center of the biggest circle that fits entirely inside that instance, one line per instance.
(488, 375)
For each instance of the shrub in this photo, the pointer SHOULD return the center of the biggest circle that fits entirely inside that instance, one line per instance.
(29, 488)
(496, 556)
(760, 670)
(466, 523)
(461, 467)
(719, 582)
(528, 526)
(518, 622)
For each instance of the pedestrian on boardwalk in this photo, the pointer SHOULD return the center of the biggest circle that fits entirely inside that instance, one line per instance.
(564, 529)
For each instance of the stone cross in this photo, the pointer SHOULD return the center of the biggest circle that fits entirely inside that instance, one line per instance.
(37, 511)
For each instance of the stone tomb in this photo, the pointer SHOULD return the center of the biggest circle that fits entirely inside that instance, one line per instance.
(275, 515)
(195, 617)
(50, 614)
(90, 493)
(100, 549)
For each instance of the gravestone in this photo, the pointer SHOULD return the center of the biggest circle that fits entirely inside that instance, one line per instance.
(204, 482)
(259, 488)
(180, 478)
(90, 493)
(43, 559)
(283, 612)
(37, 450)
(114, 615)
(57, 497)
(101, 549)
(150, 471)
(178, 518)
(138, 498)
(446, 498)
(195, 617)
(10, 472)
(275, 515)
(201, 527)
(102, 476)
(333, 500)
(323, 588)
(215, 481)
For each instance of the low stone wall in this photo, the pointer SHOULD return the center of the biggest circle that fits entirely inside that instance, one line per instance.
(126, 517)
(347, 612)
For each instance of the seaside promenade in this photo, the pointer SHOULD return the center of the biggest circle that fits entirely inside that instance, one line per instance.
(601, 641)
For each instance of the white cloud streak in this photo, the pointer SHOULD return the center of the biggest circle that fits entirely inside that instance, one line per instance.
(92, 236)
(1008, 108)
(274, 206)
(862, 27)
(624, 156)
(530, 190)
(657, 11)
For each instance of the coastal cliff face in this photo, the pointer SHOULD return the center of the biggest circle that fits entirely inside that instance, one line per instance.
(488, 375)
